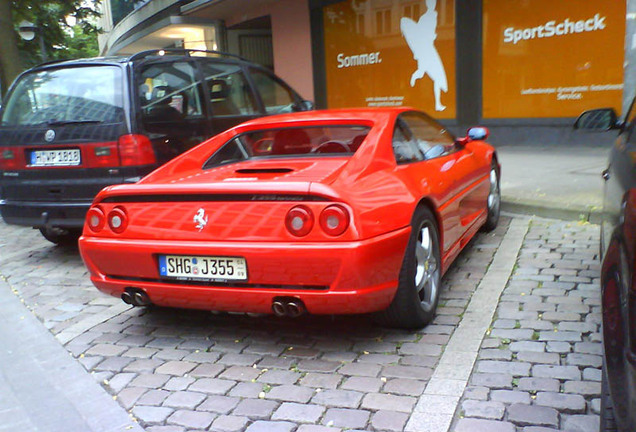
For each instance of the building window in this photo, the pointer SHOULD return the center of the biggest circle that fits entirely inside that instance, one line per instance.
(383, 21)
(360, 24)
(412, 11)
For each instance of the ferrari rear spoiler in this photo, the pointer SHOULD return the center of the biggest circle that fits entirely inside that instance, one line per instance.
(221, 191)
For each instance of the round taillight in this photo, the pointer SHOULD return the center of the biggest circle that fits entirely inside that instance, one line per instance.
(117, 220)
(95, 219)
(299, 221)
(334, 220)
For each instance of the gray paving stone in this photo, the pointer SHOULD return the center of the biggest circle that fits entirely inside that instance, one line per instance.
(532, 415)
(219, 404)
(106, 350)
(483, 409)
(560, 336)
(152, 381)
(255, 408)
(585, 388)
(227, 423)
(510, 396)
(113, 364)
(338, 398)
(207, 370)
(211, 385)
(565, 403)
(558, 372)
(477, 393)
(378, 401)
(360, 369)
(299, 413)
(322, 380)
(512, 334)
(588, 348)
(165, 429)
(346, 418)
(178, 383)
(389, 420)
(578, 359)
(240, 373)
(118, 382)
(380, 359)
(140, 352)
(128, 396)
(590, 374)
(495, 354)
(291, 393)
(419, 348)
(246, 390)
(494, 381)
(558, 347)
(402, 386)
(413, 372)
(153, 397)
(150, 414)
(178, 368)
(184, 399)
(502, 367)
(479, 425)
(271, 426)
(539, 357)
(277, 376)
(318, 366)
(143, 365)
(581, 423)
(362, 384)
(234, 359)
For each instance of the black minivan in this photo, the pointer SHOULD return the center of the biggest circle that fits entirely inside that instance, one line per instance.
(70, 128)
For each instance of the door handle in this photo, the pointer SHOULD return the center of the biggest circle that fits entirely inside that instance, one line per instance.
(605, 174)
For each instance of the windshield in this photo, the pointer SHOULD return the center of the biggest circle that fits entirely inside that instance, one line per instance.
(68, 95)
(298, 141)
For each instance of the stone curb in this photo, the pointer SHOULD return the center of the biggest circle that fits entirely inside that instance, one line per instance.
(550, 212)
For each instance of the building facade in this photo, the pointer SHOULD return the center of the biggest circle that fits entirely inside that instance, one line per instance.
(514, 65)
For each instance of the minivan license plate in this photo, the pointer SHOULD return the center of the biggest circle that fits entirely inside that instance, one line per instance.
(202, 267)
(62, 157)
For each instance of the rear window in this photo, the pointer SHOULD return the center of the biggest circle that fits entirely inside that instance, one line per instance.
(91, 94)
(304, 141)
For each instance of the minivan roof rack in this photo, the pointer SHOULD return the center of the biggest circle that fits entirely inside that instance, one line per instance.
(182, 51)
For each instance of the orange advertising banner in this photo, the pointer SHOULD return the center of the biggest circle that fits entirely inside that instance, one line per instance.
(391, 53)
(547, 58)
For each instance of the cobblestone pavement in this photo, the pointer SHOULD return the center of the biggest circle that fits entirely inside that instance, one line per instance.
(178, 370)
(539, 368)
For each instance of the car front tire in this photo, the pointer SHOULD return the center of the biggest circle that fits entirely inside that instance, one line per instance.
(493, 203)
(420, 282)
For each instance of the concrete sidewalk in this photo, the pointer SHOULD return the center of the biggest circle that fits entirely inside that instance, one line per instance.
(67, 398)
(554, 181)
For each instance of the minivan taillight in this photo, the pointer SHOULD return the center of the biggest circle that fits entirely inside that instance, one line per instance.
(136, 150)
(8, 159)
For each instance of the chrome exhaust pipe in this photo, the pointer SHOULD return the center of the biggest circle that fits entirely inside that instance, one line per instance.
(295, 308)
(127, 298)
(140, 298)
(279, 309)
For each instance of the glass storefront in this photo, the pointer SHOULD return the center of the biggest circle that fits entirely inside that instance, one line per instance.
(391, 53)
(546, 58)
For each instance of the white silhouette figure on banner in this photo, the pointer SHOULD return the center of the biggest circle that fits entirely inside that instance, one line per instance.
(420, 37)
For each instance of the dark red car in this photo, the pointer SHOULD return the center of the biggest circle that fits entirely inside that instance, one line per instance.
(618, 280)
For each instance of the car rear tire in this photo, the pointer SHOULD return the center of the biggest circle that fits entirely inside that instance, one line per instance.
(493, 204)
(61, 236)
(608, 424)
(419, 282)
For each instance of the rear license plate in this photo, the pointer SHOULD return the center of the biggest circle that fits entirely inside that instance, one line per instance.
(62, 157)
(202, 267)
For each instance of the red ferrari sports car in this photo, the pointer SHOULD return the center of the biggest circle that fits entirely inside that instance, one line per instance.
(325, 212)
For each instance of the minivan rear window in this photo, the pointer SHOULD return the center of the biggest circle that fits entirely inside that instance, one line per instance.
(91, 94)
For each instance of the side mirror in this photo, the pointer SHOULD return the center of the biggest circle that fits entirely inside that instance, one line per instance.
(599, 120)
(304, 105)
(478, 133)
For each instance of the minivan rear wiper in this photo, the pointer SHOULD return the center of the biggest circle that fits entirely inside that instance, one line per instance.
(71, 122)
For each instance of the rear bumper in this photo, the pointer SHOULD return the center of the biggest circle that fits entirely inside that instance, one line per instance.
(330, 278)
(40, 214)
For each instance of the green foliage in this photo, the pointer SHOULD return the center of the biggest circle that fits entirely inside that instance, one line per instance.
(61, 41)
